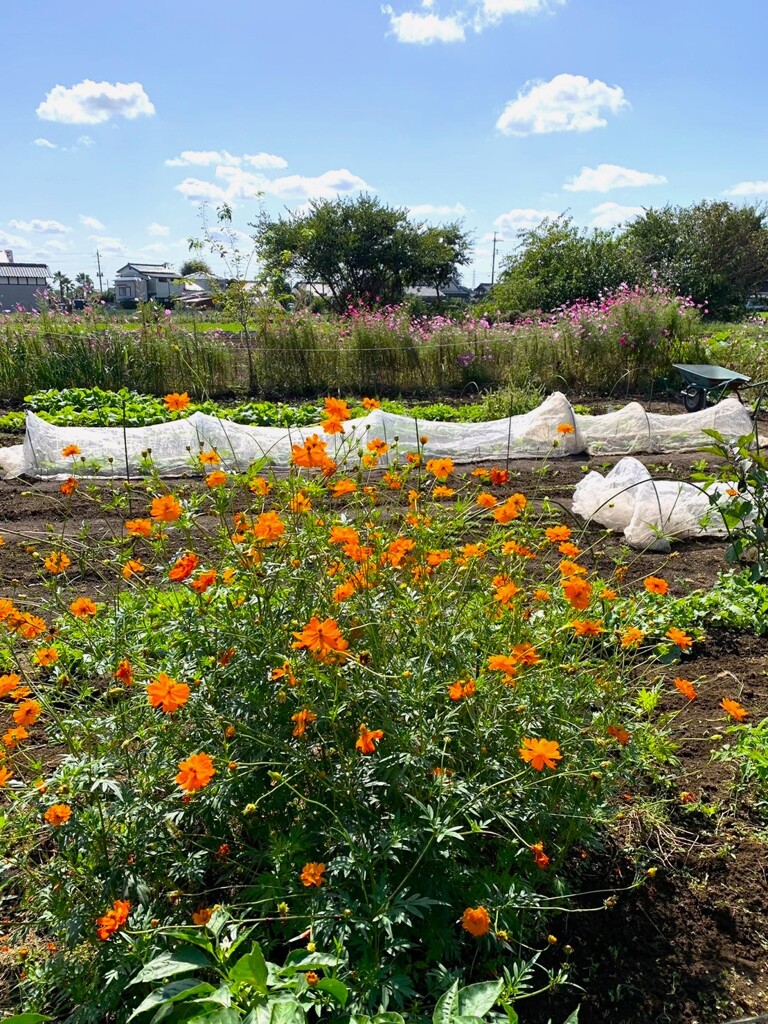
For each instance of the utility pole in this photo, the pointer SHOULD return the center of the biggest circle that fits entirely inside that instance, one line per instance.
(98, 273)
(493, 262)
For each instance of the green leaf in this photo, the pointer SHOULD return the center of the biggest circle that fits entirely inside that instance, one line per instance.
(512, 1017)
(170, 963)
(447, 1005)
(573, 1018)
(286, 1011)
(216, 1015)
(26, 1018)
(477, 1000)
(251, 968)
(335, 989)
(171, 993)
(466, 1019)
(388, 1017)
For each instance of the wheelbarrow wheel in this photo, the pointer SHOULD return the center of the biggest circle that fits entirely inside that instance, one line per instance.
(695, 399)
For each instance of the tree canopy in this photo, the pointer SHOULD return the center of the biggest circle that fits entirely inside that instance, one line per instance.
(361, 249)
(714, 251)
(194, 265)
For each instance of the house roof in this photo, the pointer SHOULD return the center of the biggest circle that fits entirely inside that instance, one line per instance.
(150, 269)
(24, 270)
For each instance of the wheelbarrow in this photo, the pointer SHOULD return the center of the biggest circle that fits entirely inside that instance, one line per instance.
(702, 381)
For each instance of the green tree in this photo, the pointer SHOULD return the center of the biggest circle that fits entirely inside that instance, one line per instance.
(195, 265)
(84, 284)
(63, 282)
(714, 251)
(360, 249)
(558, 263)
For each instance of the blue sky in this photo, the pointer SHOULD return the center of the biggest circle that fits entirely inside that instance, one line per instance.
(118, 121)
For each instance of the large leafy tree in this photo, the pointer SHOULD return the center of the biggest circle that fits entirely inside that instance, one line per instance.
(715, 251)
(361, 249)
(557, 263)
(195, 265)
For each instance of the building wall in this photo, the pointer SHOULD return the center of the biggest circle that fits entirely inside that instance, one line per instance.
(26, 295)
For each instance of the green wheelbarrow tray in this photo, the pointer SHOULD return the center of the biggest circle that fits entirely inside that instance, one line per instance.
(700, 379)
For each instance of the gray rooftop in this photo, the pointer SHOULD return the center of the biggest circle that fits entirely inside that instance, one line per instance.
(24, 270)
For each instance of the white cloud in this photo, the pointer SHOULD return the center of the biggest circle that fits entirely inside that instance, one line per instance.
(95, 102)
(158, 229)
(324, 186)
(41, 227)
(91, 222)
(197, 191)
(203, 158)
(429, 210)
(609, 215)
(605, 177)
(84, 140)
(424, 29)
(58, 246)
(567, 103)
(13, 241)
(492, 11)
(520, 219)
(747, 188)
(242, 184)
(45, 144)
(108, 245)
(265, 161)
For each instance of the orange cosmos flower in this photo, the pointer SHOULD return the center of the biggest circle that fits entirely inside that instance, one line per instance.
(202, 582)
(260, 486)
(46, 657)
(440, 469)
(284, 672)
(165, 509)
(13, 737)
(176, 402)
(510, 510)
(569, 550)
(27, 713)
(336, 409)
(124, 672)
(300, 503)
(268, 528)
(481, 472)
(486, 500)
(476, 921)
(511, 547)
(183, 567)
(377, 446)
(70, 450)
(69, 486)
(167, 693)
(686, 688)
(216, 479)
(133, 567)
(503, 663)
(443, 492)
(733, 708)
(26, 625)
(332, 426)
(322, 639)
(655, 585)
(565, 428)
(506, 593)
(437, 557)
(367, 740)
(631, 637)
(587, 627)
(568, 568)
(83, 608)
(498, 476)
(202, 916)
(302, 719)
(371, 403)
(619, 734)
(311, 455)
(540, 858)
(556, 534)
(57, 562)
(210, 458)
(679, 638)
(577, 591)
(541, 753)
(8, 683)
(139, 527)
(5, 776)
(58, 815)
(343, 535)
(195, 773)
(525, 654)
(342, 487)
(462, 688)
(113, 920)
(541, 595)
(312, 874)
(607, 594)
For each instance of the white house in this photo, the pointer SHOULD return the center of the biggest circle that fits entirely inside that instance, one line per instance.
(142, 282)
(21, 283)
